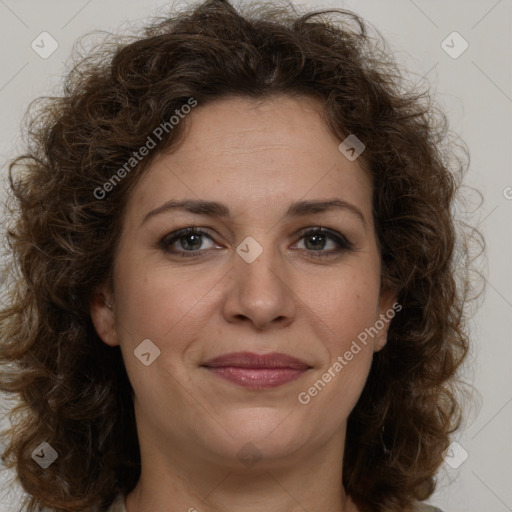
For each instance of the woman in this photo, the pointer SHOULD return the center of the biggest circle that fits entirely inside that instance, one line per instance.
(234, 282)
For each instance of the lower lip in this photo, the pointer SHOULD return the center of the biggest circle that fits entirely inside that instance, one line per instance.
(257, 378)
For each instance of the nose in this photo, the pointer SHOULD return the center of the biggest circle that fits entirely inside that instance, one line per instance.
(260, 293)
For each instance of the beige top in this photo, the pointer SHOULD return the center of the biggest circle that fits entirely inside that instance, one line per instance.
(118, 506)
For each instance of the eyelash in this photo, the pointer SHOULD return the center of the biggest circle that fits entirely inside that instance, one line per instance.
(343, 243)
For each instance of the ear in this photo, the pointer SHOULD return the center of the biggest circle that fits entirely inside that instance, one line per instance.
(102, 316)
(386, 311)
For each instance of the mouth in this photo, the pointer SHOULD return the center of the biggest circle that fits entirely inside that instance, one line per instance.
(257, 371)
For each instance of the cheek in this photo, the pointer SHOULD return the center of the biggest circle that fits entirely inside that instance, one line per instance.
(345, 307)
(167, 306)
(345, 304)
(164, 306)
(157, 303)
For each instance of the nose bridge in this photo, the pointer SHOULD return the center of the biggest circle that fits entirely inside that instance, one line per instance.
(259, 288)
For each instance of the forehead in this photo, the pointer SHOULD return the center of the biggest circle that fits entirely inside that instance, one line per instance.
(281, 125)
(252, 152)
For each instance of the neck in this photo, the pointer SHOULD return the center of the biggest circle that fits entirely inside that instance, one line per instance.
(309, 481)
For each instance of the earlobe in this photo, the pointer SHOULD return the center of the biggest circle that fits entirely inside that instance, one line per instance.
(103, 318)
(388, 307)
(380, 341)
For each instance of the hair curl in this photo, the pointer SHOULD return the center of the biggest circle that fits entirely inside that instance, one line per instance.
(73, 389)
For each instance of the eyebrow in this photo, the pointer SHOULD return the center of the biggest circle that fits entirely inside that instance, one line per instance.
(216, 209)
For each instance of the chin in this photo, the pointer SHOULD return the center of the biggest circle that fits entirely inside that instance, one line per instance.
(272, 432)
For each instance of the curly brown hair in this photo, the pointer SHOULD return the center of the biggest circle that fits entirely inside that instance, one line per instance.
(72, 389)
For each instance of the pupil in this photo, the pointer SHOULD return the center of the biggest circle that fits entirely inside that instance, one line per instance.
(318, 239)
(191, 236)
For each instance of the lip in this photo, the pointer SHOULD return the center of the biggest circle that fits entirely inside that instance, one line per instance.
(257, 371)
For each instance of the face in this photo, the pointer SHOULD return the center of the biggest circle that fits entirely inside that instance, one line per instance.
(266, 272)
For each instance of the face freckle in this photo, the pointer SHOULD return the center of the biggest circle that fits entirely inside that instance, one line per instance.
(257, 160)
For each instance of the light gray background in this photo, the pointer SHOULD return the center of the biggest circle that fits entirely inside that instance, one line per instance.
(476, 92)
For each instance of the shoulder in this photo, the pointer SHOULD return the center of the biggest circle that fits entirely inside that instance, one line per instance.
(118, 506)
(423, 507)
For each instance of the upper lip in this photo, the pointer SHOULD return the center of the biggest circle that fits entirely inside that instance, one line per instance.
(252, 360)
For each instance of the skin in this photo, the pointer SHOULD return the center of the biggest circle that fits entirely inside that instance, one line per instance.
(257, 158)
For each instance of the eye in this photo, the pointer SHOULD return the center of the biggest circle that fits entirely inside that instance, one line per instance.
(317, 238)
(185, 242)
(189, 242)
